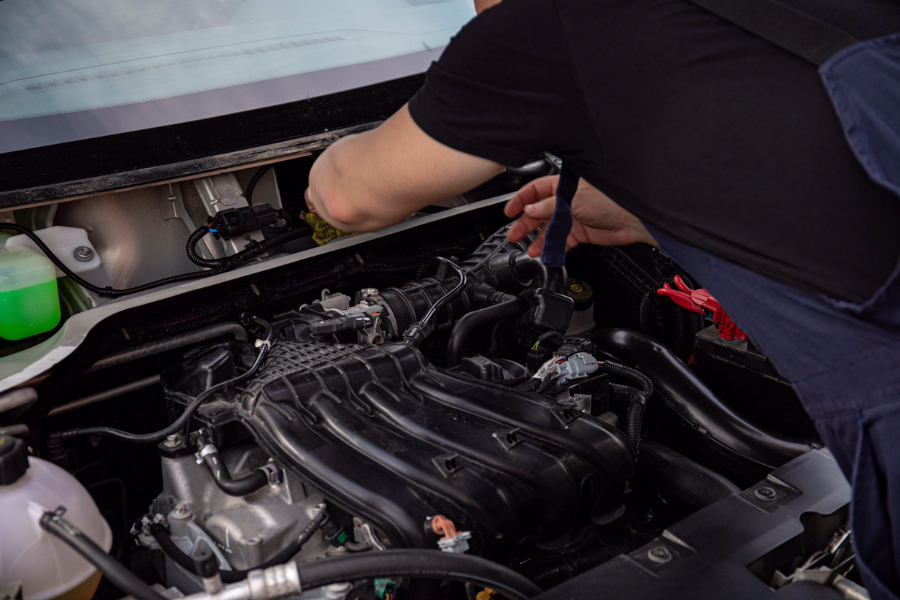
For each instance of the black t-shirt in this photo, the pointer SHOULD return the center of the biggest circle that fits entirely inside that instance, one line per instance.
(701, 129)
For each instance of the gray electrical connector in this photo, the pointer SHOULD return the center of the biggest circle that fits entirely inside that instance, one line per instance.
(577, 367)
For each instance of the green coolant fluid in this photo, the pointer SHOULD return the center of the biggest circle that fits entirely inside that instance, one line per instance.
(29, 299)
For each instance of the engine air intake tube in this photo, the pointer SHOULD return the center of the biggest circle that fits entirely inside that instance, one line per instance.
(715, 428)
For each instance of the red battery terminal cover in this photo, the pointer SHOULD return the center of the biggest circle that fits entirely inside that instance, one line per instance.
(699, 301)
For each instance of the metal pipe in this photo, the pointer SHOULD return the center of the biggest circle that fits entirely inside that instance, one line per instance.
(277, 582)
(14, 430)
(107, 395)
(159, 346)
(17, 399)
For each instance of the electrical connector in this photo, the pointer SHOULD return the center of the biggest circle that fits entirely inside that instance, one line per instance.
(237, 221)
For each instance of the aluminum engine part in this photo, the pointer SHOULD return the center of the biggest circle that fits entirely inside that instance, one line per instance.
(394, 440)
(246, 530)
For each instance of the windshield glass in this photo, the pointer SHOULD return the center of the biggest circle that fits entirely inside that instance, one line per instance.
(73, 69)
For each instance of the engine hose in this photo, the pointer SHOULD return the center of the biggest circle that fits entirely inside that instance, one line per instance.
(256, 480)
(185, 417)
(106, 292)
(476, 319)
(707, 423)
(690, 481)
(634, 423)
(253, 249)
(171, 549)
(634, 417)
(633, 374)
(557, 280)
(114, 571)
(562, 568)
(424, 564)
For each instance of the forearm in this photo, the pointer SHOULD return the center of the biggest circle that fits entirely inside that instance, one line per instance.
(375, 179)
(334, 194)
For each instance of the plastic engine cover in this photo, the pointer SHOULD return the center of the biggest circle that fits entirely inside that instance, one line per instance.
(391, 439)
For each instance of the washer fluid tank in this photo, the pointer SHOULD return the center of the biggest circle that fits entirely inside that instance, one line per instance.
(29, 299)
(45, 566)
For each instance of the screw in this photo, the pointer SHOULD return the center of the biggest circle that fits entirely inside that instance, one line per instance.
(766, 493)
(659, 554)
(173, 440)
(182, 511)
(83, 254)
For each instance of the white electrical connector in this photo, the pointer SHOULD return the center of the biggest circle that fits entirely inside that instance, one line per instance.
(578, 366)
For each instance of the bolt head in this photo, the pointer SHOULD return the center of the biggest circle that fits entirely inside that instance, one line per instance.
(766, 493)
(83, 254)
(173, 440)
(659, 554)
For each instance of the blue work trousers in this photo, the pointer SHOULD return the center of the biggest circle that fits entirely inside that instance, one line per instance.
(844, 361)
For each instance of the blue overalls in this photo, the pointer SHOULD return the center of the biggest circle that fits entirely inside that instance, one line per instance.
(843, 358)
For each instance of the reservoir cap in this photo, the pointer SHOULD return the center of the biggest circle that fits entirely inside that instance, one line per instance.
(13, 459)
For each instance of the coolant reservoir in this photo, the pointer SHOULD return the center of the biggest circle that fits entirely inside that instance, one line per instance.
(46, 567)
(29, 299)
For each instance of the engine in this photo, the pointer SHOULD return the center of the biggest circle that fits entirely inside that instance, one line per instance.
(350, 417)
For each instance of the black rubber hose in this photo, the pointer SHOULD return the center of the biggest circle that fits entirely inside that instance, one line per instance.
(562, 568)
(171, 549)
(424, 564)
(256, 480)
(114, 571)
(185, 417)
(557, 280)
(529, 268)
(690, 481)
(106, 292)
(479, 318)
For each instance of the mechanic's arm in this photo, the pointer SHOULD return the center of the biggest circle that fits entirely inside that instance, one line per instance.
(374, 179)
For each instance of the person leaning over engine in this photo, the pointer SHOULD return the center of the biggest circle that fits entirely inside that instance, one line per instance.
(689, 132)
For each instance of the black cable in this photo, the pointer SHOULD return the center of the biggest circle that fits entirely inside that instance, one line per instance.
(449, 296)
(227, 263)
(161, 535)
(182, 421)
(418, 563)
(114, 571)
(416, 333)
(634, 416)
(106, 292)
(254, 180)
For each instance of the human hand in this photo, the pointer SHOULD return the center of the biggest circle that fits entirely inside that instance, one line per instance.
(483, 5)
(597, 219)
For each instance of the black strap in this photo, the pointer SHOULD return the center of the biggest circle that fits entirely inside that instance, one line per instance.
(556, 236)
(786, 27)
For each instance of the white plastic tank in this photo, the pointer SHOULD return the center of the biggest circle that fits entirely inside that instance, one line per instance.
(47, 568)
(70, 245)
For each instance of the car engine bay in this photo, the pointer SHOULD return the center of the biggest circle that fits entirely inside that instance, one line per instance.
(428, 391)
